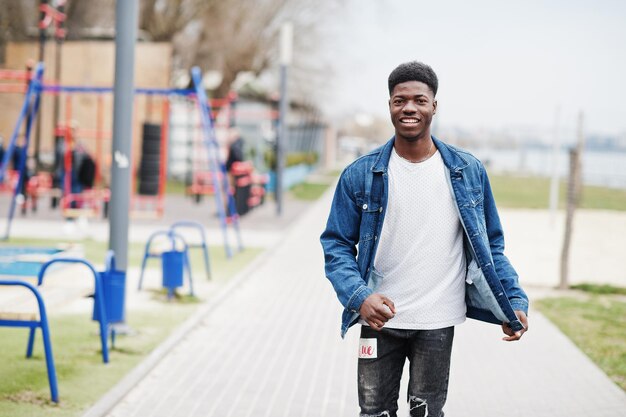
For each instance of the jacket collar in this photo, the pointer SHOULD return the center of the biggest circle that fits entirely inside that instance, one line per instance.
(451, 157)
(382, 160)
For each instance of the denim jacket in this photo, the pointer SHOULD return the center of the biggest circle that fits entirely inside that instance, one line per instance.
(356, 218)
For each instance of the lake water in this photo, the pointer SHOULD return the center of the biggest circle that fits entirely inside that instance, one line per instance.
(599, 167)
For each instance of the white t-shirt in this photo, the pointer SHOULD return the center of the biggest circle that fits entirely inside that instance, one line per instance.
(420, 254)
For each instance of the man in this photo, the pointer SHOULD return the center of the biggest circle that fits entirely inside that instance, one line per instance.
(235, 156)
(430, 253)
(235, 148)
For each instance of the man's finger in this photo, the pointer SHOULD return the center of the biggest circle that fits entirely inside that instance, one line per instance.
(507, 330)
(524, 321)
(385, 311)
(389, 303)
(514, 337)
(375, 325)
(380, 317)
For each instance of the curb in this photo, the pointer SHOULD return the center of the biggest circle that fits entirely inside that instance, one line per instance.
(111, 398)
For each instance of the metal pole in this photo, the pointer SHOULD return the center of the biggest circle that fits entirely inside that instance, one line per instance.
(43, 26)
(126, 22)
(286, 37)
(282, 136)
(59, 35)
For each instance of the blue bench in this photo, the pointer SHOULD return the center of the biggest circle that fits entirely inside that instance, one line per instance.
(33, 324)
(40, 320)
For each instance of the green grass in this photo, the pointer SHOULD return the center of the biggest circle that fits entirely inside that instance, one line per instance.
(509, 191)
(533, 192)
(312, 190)
(600, 289)
(308, 191)
(82, 377)
(596, 325)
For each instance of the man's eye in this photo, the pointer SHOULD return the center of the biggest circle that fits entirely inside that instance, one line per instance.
(422, 101)
(397, 102)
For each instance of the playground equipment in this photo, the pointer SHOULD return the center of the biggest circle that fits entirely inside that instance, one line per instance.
(218, 169)
(84, 190)
(185, 224)
(99, 303)
(257, 124)
(34, 324)
(34, 185)
(91, 199)
(27, 114)
(39, 320)
(173, 261)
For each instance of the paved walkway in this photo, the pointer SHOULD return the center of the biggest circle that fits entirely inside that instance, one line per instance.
(272, 348)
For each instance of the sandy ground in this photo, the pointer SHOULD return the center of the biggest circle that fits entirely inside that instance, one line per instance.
(534, 241)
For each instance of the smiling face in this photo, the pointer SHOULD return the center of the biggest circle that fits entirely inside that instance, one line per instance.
(412, 105)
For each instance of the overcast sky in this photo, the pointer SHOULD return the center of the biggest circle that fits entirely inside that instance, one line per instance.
(500, 63)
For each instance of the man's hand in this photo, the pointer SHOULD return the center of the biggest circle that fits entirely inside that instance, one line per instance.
(511, 335)
(376, 310)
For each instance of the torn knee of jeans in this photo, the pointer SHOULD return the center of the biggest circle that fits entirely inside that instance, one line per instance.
(381, 414)
(418, 407)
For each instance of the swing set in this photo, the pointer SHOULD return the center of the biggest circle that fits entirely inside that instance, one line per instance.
(76, 201)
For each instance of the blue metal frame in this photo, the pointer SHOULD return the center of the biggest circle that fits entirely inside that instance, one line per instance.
(42, 323)
(215, 166)
(29, 110)
(203, 245)
(173, 236)
(98, 300)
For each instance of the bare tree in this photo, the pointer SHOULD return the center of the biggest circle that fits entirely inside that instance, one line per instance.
(227, 36)
(243, 36)
(14, 22)
(163, 20)
(93, 18)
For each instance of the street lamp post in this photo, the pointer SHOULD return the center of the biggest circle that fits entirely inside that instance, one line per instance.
(126, 21)
(286, 48)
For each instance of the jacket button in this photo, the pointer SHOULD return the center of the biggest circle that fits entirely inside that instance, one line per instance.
(364, 206)
(380, 210)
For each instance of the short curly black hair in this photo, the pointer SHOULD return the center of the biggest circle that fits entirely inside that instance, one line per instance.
(413, 71)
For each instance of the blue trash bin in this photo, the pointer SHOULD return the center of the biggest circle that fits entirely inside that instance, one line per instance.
(114, 289)
(173, 269)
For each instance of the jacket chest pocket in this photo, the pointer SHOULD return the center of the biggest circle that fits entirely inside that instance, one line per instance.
(472, 206)
(475, 198)
(475, 202)
(370, 211)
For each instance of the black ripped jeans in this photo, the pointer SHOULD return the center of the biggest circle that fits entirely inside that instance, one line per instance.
(428, 352)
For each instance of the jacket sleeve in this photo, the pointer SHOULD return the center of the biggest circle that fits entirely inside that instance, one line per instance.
(339, 241)
(504, 269)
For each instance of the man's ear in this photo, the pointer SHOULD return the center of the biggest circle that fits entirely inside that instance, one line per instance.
(435, 107)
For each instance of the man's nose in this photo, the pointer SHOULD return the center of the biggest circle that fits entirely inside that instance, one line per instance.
(409, 107)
